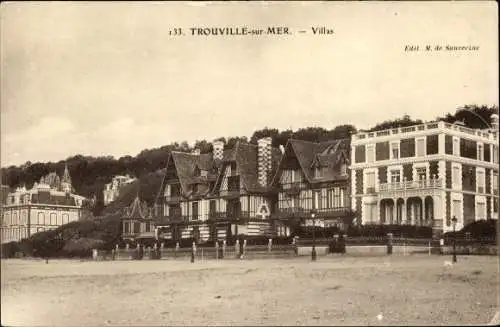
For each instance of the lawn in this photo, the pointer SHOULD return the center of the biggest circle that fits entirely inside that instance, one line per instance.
(399, 290)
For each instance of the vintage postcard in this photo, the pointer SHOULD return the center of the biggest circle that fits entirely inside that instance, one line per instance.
(249, 163)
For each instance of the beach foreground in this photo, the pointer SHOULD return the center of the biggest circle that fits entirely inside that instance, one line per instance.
(399, 290)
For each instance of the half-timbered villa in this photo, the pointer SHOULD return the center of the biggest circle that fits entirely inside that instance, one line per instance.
(313, 178)
(137, 221)
(215, 195)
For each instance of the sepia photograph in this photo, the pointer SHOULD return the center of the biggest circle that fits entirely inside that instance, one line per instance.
(249, 163)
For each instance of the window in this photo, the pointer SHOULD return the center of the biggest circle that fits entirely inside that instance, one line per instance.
(194, 206)
(481, 211)
(420, 147)
(318, 172)
(421, 173)
(316, 204)
(457, 204)
(343, 169)
(395, 150)
(395, 176)
(14, 218)
(370, 153)
(370, 182)
(53, 219)
(494, 184)
(212, 209)
(65, 218)
(41, 218)
(455, 177)
(480, 181)
(137, 227)
(495, 154)
(480, 152)
(371, 212)
(456, 146)
(148, 226)
(126, 227)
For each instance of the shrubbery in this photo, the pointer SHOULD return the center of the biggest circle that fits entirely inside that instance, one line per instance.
(76, 239)
(409, 231)
(486, 229)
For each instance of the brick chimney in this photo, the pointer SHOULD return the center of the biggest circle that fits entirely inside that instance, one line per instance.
(264, 160)
(218, 151)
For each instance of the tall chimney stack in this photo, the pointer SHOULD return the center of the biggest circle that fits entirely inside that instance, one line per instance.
(218, 151)
(264, 160)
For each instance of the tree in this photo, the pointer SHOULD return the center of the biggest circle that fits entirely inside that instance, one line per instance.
(265, 132)
(468, 114)
(405, 121)
(203, 146)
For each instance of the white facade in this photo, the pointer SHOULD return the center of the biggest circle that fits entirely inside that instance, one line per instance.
(41, 208)
(417, 175)
(112, 190)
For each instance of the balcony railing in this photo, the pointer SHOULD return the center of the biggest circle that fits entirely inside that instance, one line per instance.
(217, 215)
(426, 126)
(412, 185)
(298, 212)
(172, 198)
(177, 219)
(230, 193)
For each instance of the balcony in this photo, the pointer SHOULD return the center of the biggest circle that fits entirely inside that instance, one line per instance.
(217, 216)
(172, 199)
(230, 193)
(412, 185)
(168, 220)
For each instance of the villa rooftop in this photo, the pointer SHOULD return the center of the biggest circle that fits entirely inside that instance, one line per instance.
(486, 134)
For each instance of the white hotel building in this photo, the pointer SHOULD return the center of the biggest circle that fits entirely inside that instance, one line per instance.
(48, 205)
(425, 175)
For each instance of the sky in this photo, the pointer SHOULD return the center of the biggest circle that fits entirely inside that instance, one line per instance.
(107, 78)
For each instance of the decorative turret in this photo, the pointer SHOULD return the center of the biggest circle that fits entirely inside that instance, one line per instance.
(66, 180)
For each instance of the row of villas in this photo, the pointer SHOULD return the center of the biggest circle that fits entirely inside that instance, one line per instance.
(420, 175)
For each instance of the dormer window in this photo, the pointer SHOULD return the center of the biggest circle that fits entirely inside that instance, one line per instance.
(318, 173)
(343, 169)
(204, 173)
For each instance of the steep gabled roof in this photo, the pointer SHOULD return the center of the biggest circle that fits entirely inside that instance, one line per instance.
(245, 155)
(326, 154)
(137, 209)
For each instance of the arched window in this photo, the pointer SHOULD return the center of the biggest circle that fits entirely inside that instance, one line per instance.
(65, 218)
(41, 218)
(24, 218)
(7, 219)
(47, 220)
(53, 219)
(14, 218)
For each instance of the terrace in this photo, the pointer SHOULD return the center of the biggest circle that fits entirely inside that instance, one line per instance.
(424, 127)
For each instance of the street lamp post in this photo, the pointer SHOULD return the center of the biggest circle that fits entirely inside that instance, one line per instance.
(454, 222)
(313, 252)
